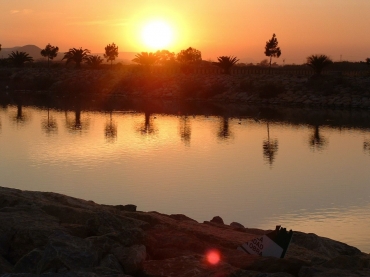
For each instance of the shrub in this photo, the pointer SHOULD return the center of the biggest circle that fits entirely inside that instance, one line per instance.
(246, 85)
(213, 89)
(271, 89)
(5, 74)
(42, 82)
(140, 82)
(191, 88)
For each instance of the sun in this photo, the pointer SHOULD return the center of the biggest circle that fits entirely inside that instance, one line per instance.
(157, 34)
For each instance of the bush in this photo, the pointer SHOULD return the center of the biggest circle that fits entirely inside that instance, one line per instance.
(191, 88)
(246, 85)
(5, 62)
(144, 83)
(5, 74)
(271, 89)
(42, 82)
(213, 89)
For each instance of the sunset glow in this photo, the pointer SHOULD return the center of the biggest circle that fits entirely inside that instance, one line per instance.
(157, 34)
(239, 28)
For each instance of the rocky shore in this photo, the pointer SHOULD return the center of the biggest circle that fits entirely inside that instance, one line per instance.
(49, 234)
(333, 89)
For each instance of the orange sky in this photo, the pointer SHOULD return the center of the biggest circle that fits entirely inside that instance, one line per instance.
(234, 27)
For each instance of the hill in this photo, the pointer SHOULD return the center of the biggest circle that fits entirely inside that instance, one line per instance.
(32, 50)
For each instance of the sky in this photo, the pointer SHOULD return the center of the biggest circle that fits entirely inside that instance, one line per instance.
(337, 28)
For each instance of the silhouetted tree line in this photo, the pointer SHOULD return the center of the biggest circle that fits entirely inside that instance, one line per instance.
(186, 59)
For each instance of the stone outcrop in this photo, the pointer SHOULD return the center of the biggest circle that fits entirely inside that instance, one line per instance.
(48, 234)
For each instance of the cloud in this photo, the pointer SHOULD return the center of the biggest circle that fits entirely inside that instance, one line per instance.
(24, 11)
(113, 22)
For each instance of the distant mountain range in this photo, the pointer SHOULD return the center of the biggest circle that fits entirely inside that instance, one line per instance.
(34, 52)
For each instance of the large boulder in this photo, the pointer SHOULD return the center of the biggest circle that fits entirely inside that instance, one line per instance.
(49, 234)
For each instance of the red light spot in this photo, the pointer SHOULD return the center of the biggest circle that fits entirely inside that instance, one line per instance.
(213, 257)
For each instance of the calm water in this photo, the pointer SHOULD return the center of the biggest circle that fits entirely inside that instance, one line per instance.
(306, 170)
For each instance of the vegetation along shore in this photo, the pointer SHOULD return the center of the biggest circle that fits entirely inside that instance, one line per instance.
(293, 88)
(166, 75)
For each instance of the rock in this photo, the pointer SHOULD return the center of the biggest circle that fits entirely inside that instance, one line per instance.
(109, 264)
(275, 265)
(128, 208)
(131, 258)
(195, 265)
(5, 266)
(181, 217)
(318, 271)
(349, 262)
(323, 247)
(28, 263)
(236, 225)
(65, 251)
(217, 220)
(48, 234)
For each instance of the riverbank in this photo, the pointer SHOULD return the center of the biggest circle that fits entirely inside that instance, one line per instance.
(49, 234)
(334, 89)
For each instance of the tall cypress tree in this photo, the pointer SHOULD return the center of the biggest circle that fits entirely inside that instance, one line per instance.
(272, 49)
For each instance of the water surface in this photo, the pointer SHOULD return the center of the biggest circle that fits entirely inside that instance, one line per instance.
(305, 170)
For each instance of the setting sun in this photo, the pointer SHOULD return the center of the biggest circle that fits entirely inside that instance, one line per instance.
(157, 34)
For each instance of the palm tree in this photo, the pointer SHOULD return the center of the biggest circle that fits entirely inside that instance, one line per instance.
(76, 55)
(146, 59)
(318, 62)
(19, 58)
(226, 63)
(94, 61)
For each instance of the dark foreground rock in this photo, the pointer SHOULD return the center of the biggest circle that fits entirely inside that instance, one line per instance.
(48, 234)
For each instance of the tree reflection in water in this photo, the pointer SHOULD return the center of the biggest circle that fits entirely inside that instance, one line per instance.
(316, 141)
(20, 117)
(270, 147)
(185, 130)
(224, 131)
(110, 129)
(49, 125)
(147, 127)
(76, 124)
(366, 146)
